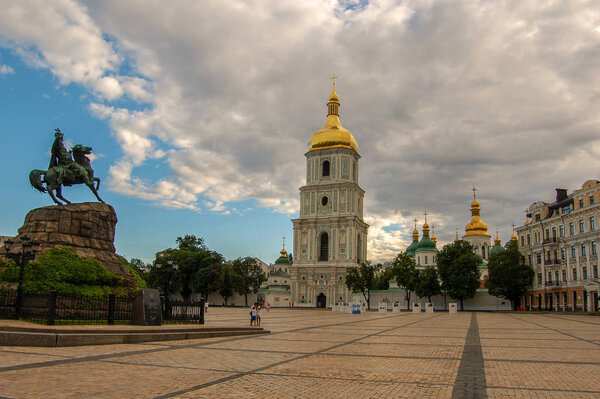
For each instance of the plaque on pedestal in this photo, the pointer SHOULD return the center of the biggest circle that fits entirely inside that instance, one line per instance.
(146, 308)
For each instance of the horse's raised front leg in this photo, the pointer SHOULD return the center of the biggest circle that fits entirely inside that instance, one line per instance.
(59, 195)
(91, 186)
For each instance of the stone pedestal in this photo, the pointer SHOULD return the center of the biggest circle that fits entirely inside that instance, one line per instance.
(416, 307)
(382, 308)
(88, 229)
(452, 307)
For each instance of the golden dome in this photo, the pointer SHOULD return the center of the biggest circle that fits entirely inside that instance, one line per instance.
(476, 227)
(283, 253)
(497, 240)
(332, 134)
(433, 237)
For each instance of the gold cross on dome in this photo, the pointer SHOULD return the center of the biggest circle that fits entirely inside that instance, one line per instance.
(513, 226)
(474, 190)
(425, 216)
(415, 223)
(333, 77)
(283, 241)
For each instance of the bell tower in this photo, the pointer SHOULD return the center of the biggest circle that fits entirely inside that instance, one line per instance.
(330, 235)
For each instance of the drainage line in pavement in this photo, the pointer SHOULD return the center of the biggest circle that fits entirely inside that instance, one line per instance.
(470, 381)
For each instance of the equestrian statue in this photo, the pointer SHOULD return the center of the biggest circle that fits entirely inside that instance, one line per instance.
(65, 171)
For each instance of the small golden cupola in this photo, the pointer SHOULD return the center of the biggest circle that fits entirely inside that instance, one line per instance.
(457, 239)
(476, 227)
(433, 237)
(332, 134)
(497, 240)
(513, 238)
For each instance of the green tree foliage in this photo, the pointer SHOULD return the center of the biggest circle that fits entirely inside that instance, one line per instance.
(190, 242)
(190, 269)
(509, 275)
(406, 273)
(458, 268)
(384, 274)
(247, 276)
(362, 279)
(62, 270)
(226, 282)
(137, 269)
(428, 284)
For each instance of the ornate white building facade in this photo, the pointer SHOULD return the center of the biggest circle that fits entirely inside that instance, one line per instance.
(330, 235)
(560, 241)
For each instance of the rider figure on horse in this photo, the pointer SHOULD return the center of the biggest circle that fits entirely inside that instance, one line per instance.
(61, 158)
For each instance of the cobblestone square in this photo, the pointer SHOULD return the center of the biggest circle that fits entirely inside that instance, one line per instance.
(318, 353)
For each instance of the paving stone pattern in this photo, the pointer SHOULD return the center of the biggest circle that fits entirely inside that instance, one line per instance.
(322, 354)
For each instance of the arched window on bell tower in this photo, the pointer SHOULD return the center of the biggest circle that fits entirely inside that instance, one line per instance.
(324, 247)
(325, 169)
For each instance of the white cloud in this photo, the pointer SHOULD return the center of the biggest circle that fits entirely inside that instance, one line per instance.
(6, 70)
(441, 96)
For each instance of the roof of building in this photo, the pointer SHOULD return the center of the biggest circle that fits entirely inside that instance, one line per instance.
(332, 134)
(476, 227)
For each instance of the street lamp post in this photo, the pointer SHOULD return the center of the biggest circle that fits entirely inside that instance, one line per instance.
(22, 258)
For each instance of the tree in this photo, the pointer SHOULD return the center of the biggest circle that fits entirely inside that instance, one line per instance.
(247, 276)
(509, 275)
(191, 268)
(406, 273)
(226, 283)
(458, 268)
(428, 284)
(190, 242)
(362, 279)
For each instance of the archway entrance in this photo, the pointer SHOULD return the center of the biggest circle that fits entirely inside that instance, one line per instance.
(321, 300)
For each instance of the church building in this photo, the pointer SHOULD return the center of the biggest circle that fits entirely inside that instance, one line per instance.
(330, 236)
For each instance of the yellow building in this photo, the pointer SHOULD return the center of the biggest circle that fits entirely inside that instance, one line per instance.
(559, 240)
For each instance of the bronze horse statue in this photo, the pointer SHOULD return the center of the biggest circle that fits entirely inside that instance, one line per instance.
(57, 176)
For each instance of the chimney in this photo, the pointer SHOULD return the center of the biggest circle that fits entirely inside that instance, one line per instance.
(561, 194)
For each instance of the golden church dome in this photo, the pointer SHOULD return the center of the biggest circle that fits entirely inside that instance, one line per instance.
(476, 227)
(332, 134)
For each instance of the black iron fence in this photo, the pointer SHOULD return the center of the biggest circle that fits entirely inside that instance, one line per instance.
(108, 309)
(59, 309)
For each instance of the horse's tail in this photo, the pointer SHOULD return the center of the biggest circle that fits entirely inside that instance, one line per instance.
(35, 178)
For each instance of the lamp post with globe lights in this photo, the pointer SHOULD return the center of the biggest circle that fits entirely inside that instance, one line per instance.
(22, 258)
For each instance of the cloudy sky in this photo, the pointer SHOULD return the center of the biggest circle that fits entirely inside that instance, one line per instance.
(199, 112)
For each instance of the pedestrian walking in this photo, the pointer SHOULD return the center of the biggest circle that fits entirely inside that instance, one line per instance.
(268, 306)
(253, 315)
(258, 314)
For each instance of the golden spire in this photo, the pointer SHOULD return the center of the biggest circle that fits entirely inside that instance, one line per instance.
(332, 134)
(497, 241)
(415, 232)
(476, 227)
(425, 226)
(283, 252)
(457, 239)
(514, 236)
(433, 237)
